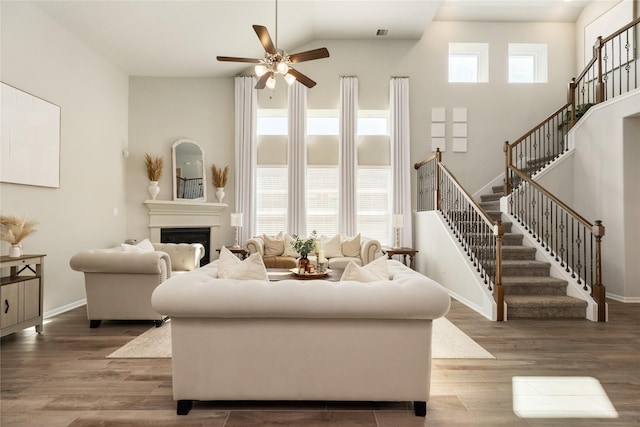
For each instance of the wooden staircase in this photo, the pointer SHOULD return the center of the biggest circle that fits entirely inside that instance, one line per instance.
(529, 289)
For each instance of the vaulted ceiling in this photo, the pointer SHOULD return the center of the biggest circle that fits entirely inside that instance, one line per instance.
(182, 38)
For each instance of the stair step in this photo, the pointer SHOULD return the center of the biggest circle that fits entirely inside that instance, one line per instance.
(518, 252)
(493, 205)
(490, 197)
(498, 189)
(471, 226)
(512, 239)
(494, 214)
(527, 285)
(541, 306)
(525, 268)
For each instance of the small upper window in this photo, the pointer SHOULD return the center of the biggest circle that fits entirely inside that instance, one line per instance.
(468, 62)
(527, 63)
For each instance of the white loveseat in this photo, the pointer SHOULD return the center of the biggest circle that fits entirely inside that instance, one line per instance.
(119, 283)
(276, 251)
(301, 339)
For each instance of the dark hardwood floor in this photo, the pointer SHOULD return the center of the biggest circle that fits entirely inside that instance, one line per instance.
(62, 378)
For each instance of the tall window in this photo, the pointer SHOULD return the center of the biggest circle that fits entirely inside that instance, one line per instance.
(527, 63)
(374, 176)
(271, 174)
(468, 62)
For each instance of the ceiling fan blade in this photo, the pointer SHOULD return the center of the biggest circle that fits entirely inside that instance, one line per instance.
(265, 39)
(263, 80)
(234, 59)
(302, 78)
(309, 55)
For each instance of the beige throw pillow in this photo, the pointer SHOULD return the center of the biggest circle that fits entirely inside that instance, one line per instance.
(332, 247)
(230, 266)
(372, 272)
(273, 245)
(142, 247)
(288, 247)
(351, 246)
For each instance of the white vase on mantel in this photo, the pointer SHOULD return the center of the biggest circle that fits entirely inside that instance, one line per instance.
(15, 251)
(153, 189)
(220, 194)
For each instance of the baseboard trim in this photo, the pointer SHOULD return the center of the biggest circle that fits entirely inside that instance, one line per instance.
(65, 308)
(620, 298)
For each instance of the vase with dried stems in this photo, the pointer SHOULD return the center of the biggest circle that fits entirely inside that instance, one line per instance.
(15, 229)
(154, 172)
(219, 176)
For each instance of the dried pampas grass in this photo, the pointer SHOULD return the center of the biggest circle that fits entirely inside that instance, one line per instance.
(154, 167)
(219, 176)
(14, 229)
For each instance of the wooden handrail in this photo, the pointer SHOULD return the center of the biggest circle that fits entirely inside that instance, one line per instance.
(539, 125)
(467, 196)
(437, 155)
(557, 201)
(622, 30)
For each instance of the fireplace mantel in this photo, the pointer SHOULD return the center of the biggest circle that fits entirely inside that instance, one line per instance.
(185, 213)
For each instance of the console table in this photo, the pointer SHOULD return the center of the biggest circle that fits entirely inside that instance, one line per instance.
(405, 252)
(21, 293)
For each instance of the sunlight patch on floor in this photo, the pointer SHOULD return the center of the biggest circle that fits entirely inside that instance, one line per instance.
(561, 397)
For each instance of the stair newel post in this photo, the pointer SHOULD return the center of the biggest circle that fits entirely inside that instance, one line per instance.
(597, 52)
(498, 289)
(598, 290)
(437, 193)
(507, 159)
(571, 99)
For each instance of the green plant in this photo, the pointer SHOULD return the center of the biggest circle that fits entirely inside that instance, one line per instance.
(580, 111)
(305, 246)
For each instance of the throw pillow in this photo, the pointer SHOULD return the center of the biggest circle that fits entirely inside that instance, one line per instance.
(273, 245)
(351, 246)
(332, 247)
(288, 247)
(372, 272)
(142, 247)
(231, 267)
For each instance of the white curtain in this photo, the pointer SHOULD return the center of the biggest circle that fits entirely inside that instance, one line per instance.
(297, 160)
(400, 154)
(347, 217)
(246, 154)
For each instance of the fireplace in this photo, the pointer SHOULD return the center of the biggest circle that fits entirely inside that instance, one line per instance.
(188, 235)
(187, 215)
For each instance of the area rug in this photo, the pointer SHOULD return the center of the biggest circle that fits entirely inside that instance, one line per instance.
(448, 342)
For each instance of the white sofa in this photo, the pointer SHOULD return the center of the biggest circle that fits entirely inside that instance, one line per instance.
(301, 339)
(119, 284)
(369, 248)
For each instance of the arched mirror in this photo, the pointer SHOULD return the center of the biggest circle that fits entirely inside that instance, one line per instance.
(188, 171)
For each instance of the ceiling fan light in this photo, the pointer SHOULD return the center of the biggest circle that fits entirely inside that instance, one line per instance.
(271, 82)
(260, 70)
(282, 67)
(289, 78)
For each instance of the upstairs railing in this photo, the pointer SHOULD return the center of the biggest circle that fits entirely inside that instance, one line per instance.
(613, 71)
(477, 233)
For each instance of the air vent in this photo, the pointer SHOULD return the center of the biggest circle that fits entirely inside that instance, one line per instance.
(382, 32)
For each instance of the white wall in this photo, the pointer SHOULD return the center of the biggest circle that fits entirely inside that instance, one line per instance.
(44, 59)
(163, 110)
(604, 163)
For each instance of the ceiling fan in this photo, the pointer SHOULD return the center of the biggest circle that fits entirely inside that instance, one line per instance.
(277, 61)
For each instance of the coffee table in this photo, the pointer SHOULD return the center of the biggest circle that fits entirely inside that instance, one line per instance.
(277, 274)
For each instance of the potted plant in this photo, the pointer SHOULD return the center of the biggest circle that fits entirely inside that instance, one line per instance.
(154, 172)
(14, 229)
(219, 176)
(580, 111)
(304, 246)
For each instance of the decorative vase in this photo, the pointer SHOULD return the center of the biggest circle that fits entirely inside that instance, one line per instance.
(303, 264)
(15, 251)
(153, 189)
(220, 194)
